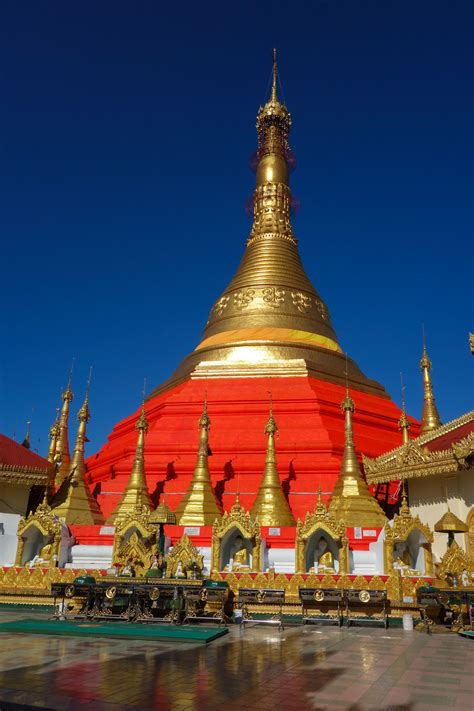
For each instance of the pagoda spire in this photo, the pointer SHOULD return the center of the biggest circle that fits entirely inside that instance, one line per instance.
(136, 494)
(271, 508)
(199, 506)
(430, 418)
(403, 422)
(270, 315)
(53, 438)
(62, 444)
(73, 501)
(351, 500)
(26, 442)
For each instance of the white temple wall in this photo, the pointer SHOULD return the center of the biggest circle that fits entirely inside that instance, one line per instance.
(427, 496)
(13, 504)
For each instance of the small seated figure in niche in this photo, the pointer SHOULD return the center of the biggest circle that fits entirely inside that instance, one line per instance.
(128, 570)
(180, 572)
(43, 558)
(239, 560)
(158, 565)
(465, 578)
(403, 564)
(324, 560)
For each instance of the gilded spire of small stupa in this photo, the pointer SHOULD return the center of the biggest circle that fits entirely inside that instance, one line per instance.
(430, 418)
(403, 422)
(136, 494)
(351, 500)
(53, 438)
(199, 506)
(62, 444)
(73, 501)
(271, 508)
(26, 442)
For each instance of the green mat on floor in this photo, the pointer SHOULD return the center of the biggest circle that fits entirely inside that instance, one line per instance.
(175, 633)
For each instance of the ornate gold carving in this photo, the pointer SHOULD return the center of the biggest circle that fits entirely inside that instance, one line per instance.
(135, 540)
(455, 561)
(274, 296)
(243, 298)
(364, 596)
(301, 301)
(183, 552)
(321, 519)
(248, 527)
(220, 305)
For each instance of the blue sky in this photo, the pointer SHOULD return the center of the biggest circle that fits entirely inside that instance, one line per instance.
(125, 136)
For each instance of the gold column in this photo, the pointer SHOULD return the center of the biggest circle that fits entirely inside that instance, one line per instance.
(136, 493)
(270, 508)
(62, 445)
(430, 418)
(73, 501)
(199, 506)
(53, 438)
(351, 500)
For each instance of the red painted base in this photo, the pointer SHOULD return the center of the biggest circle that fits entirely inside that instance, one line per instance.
(309, 445)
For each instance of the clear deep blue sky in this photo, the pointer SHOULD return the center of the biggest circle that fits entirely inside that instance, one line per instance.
(125, 134)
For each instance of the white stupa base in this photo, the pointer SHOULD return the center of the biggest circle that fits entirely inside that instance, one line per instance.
(365, 563)
(82, 556)
(281, 559)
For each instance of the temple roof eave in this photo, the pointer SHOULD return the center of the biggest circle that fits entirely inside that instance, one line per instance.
(414, 459)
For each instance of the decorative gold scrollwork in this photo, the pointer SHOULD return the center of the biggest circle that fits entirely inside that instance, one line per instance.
(203, 595)
(154, 594)
(111, 592)
(364, 596)
(69, 591)
(319, 595)
(260, 596)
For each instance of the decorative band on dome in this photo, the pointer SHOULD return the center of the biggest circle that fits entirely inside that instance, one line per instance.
(244, 335)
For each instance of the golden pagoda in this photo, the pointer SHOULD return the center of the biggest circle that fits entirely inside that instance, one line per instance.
(73, 501)
(270, 317)
(199, 506)
(430, 418)
(271, 508)
(136, 493)
(351, 500)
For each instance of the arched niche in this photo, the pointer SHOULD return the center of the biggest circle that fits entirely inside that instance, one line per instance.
(319, 544)
(318, 535)
(407, 544)
(236, 542)
(39, 538)
(134, 540)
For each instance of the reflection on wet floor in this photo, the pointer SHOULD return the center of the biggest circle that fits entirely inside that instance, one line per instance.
(261, 668)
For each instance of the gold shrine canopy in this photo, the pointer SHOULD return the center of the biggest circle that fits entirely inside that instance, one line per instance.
(445, 450)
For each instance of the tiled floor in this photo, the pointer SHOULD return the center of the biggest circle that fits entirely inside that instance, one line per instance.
(302, 668)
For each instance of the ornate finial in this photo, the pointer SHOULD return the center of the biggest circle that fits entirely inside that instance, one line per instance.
(67, 394)
(271, 426)
(53, 438)
(404, 508)
(26, 442)
(403, 422)
(430, 418)
(142, 422)
(348, 403)
(274, 82)
(204, 420)
(237, 507)
(320, 507)
(84, 414)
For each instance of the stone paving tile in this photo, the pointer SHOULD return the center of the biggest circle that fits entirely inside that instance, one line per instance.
(329, 668)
